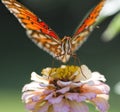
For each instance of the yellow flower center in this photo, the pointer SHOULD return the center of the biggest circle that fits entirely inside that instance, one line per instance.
(65, 73)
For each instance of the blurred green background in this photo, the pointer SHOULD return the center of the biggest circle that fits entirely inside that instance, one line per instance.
(19, 56)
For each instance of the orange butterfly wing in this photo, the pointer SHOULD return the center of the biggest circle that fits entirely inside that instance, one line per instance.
(37, 30)
(28, 19)
(83, 30)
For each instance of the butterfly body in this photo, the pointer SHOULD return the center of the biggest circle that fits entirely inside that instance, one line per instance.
(66, 49)
(44, 37)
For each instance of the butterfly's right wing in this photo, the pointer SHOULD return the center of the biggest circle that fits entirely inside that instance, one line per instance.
(84, 30)
(36, 29)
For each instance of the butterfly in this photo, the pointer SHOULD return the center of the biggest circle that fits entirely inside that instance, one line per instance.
(42, 35)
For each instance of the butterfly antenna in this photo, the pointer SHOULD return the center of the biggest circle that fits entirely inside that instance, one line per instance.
(76, 59)
(56, 62)
(53, 63)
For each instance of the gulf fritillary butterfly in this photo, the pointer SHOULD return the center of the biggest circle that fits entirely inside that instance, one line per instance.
(39, 32)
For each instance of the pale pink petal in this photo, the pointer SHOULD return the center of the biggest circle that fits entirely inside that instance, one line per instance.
(36, 98)
(104, 96)
(47, 91)
(101, 104)
(78, 84)
(43, 85)
(97, 87)
(44, 108)
(69, 83)
(98, 76)
(78, 107)
(54, 100)
(88, 95)
(31, 86)
(63, 106)
(63, 84)
(80, 97)
(27, 96)
(63, 90)
(104, 88)
(34, 95)
(49, 96)
(73, 96)
(30, 106)
(37, 78)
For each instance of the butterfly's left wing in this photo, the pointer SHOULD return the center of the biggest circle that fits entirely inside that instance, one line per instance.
(37, 30)
(83, 31)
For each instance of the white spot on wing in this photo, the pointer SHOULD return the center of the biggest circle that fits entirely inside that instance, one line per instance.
(29, 32)
(6, 2)
(40, 45)
(14, 10)
(35, 35)
(53, 43)
(17, 5)
(41, 36)
(47, 45)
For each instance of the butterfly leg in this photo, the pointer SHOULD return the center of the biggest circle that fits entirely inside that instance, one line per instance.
(53, 63)
(76, 58)
(57, 59)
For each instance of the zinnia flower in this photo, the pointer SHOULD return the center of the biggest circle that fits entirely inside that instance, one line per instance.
(66, 89)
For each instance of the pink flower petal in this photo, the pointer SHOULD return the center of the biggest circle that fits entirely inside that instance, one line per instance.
(78, 107)
(34, 95)
(54, 100)
(80, 97)
(101, 104)
(63, 84)
(104, 88)
(26, 96)
(49, 96)
(63, 106)
(43, 108)
(78, 84)
(71, 84)
(98, 76)
(63, 90)
(88, 96)
(75, 97)
(104, 96)
(98, 88)
(31, 86)
(37, 78)
(30, 106)
(35, 98)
